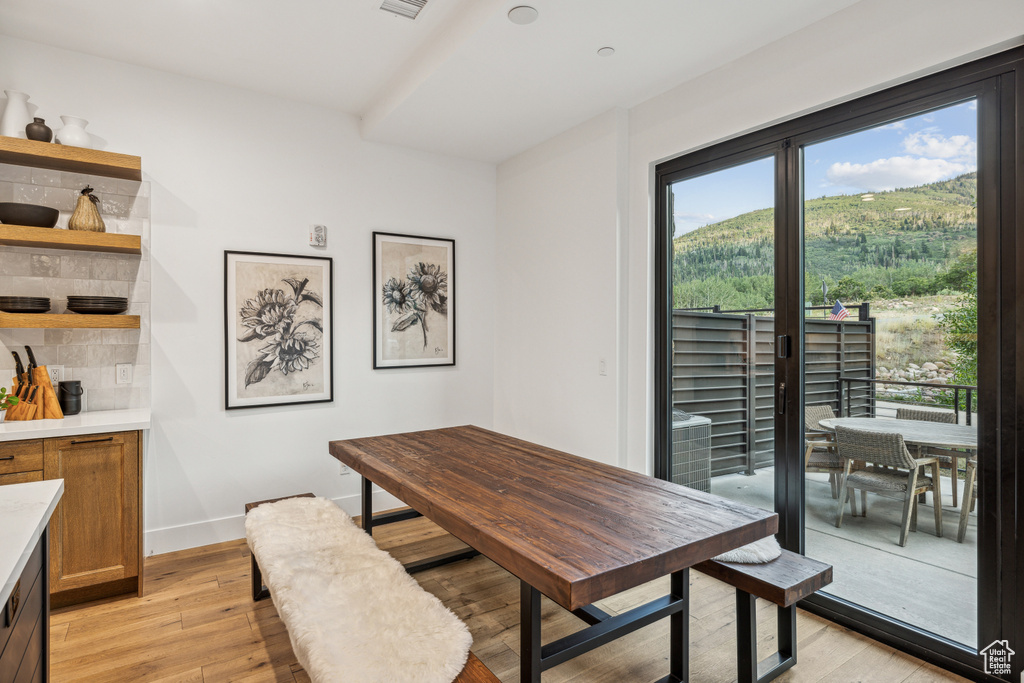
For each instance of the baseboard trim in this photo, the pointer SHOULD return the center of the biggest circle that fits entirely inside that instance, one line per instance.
(208, 532)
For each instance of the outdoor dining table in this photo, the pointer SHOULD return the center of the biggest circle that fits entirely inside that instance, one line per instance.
(915, 432)
(918, 433)
(573, 529)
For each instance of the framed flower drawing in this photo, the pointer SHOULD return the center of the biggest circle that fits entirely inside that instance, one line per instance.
(278, 329)
(413, 301)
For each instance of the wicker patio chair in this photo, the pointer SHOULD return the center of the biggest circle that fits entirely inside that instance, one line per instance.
(820, 446)
(970, 496)
(947, 458)
(944, 416)
(889, 468)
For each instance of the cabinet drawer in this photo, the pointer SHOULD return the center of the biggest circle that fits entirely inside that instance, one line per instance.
(21, 477)
(21, 456)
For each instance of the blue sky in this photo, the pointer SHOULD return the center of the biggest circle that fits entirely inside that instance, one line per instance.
(922, 149)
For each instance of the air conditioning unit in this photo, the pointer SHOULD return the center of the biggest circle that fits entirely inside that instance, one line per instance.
(691, 451)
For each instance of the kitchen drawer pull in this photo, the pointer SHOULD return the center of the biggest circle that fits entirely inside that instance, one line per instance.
(7, 457)
(75, 443)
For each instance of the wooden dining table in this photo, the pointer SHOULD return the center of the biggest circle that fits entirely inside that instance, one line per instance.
(570, 528)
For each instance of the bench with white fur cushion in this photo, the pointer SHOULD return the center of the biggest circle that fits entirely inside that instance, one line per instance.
(352, 612)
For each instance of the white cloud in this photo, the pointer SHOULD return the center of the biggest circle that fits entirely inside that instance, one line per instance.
(888, 174)
(895, 125)
(688, 221)
(957, 147)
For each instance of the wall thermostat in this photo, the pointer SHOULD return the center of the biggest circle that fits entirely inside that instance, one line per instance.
(318, 236)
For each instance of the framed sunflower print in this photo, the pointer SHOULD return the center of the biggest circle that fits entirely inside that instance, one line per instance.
(278, 329)
(413, 301)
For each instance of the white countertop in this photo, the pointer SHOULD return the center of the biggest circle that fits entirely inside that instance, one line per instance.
(93, 422)
(25, 510)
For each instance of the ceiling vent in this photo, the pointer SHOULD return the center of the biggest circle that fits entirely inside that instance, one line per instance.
(404, 8)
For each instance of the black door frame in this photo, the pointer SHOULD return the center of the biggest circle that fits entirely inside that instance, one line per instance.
(996, 82)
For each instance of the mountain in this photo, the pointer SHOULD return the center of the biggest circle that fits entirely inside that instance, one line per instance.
(873, 241)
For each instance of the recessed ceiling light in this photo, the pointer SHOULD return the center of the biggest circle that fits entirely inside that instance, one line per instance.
(522, 15)
(606, 51)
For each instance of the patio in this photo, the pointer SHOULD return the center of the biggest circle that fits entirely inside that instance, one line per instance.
(931, 583)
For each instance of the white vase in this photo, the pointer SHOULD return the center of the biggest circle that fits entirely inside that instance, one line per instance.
(16, 115)
(73, 133)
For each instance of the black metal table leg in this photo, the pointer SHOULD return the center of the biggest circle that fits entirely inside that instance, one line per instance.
(367, 506)
(679, 629)
(529, 634)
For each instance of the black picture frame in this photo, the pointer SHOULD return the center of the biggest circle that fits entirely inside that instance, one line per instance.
(413, 300)
(278, 329)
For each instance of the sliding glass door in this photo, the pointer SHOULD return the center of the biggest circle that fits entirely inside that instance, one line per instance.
(857, 269)
(723, 328)
(890, 349)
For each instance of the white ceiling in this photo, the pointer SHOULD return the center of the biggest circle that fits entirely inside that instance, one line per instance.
(461, 79)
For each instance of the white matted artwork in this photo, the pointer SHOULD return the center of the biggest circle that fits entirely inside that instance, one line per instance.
(278, 329)
(413, 301)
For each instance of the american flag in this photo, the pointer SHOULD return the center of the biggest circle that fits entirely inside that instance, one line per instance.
(838, 312)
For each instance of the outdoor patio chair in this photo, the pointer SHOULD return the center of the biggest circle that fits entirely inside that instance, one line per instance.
(820, 444)
(889, 469)
(970, 497)
(947, 458)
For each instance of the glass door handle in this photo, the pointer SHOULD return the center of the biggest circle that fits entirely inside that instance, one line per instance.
(782, 345)
(780, 399)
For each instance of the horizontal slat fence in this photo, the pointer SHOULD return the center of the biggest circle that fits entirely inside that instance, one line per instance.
(723, 368)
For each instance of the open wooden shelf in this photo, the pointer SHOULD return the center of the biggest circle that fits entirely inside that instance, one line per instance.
(69, 320)
(77, 240)
(72, 159)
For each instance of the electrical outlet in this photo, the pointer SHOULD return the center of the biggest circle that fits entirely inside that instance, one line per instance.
(345, 469)
(56, 373)
(123, 373)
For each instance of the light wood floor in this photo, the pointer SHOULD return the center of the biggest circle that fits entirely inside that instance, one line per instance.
(197, 622)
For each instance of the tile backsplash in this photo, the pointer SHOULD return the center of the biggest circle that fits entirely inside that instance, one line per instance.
(88, 355)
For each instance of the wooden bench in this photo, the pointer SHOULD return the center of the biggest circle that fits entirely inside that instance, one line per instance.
(320, 660)
(259, 591)
(785, 581)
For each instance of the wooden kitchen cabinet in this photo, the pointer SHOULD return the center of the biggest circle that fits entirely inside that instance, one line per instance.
(25, 625)
(95, 533)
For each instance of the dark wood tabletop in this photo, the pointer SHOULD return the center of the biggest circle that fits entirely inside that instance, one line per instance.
(575, 529)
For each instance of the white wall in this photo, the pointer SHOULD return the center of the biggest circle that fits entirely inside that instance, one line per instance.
(232, 169)
(559, 258)
(863, 48)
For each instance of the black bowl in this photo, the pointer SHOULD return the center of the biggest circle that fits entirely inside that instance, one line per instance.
(97, 310)
(13, 213)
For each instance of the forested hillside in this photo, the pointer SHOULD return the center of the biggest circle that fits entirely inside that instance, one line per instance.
(908, 242)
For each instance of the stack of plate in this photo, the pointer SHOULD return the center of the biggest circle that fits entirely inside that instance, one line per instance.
(98, 305)
(24, 304)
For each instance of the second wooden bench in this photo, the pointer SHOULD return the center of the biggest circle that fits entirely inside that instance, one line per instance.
(785, 581)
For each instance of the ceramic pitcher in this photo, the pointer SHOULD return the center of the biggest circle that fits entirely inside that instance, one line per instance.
(16, 115)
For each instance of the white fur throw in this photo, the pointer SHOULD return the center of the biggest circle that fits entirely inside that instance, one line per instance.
(759, 552)
(353, 613)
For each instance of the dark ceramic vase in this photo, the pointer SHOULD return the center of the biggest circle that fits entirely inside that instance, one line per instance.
(38, 130)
